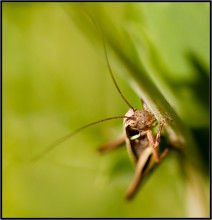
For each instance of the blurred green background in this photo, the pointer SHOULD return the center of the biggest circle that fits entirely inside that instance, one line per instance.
(55, 80)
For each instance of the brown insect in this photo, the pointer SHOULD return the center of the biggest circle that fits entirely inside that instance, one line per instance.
(142, 145)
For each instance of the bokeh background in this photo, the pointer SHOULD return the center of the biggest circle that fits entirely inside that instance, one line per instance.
(55, 80)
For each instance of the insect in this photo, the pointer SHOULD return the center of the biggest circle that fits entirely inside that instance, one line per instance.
(142, 145)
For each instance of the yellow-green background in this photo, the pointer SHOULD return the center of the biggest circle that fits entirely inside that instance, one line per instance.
(55, 80)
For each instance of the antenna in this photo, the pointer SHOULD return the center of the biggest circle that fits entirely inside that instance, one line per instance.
(67, 136)
(107, 60)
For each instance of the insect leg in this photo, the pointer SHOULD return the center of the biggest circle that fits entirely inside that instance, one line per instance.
(142, 161)
(157, 140)
(164, 153)
(154, 142)
(113, 144)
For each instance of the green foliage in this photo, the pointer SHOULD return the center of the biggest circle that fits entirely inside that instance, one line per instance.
(55, 79)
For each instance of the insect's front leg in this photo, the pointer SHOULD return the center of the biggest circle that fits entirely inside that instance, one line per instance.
(154, 142)
(119, 141)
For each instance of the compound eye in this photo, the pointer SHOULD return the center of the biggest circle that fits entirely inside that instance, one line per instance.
(133, 123)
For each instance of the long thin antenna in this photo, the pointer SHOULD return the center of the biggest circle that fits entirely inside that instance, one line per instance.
(113, 78)
(67, 136)
(107, 60)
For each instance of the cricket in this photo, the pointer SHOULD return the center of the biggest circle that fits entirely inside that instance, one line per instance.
(142, 144)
